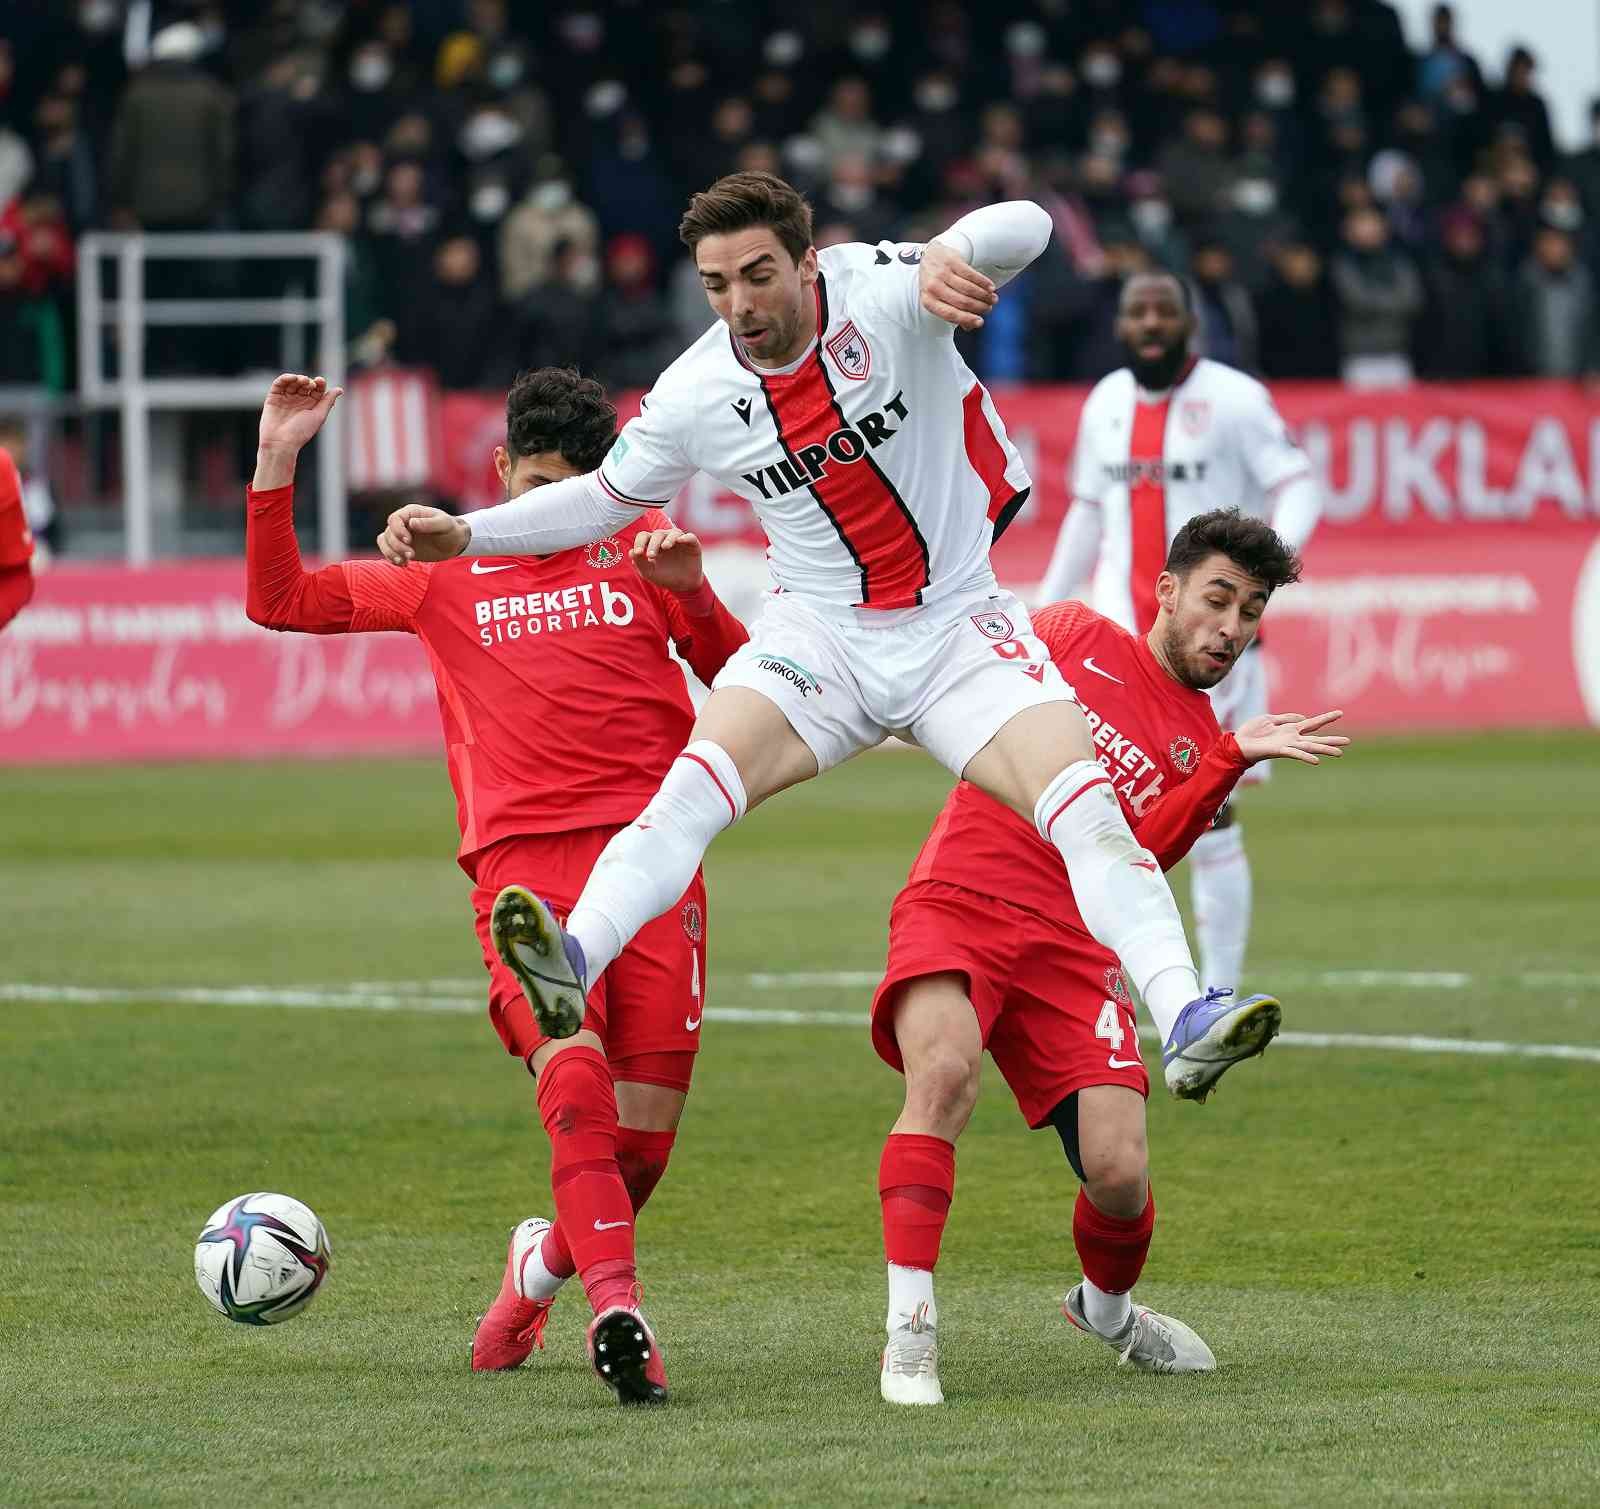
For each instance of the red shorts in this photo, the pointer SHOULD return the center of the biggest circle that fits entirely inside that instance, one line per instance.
(649, 1001)
(1054, 1011)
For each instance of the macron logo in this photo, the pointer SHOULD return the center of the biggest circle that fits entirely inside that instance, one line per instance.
(1089, 665)
(479, 569)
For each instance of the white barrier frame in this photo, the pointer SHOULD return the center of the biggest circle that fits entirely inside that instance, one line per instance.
(138, 395)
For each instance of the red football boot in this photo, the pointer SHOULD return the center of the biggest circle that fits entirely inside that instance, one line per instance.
(513, 1326)
(625, 1356)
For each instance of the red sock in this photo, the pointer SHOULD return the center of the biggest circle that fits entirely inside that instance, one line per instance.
(916, 1178)
(579, 1110)
(1112, 1248)
(641, 1160)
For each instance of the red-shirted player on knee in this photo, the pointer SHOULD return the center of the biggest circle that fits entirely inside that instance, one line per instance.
(1034, 988)
(531, 655)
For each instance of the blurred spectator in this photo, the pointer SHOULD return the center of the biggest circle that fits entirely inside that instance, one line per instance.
(281, 123)
(844, 126)
(1297, 321)
(851, 196)
(1583, 167)
(1518, 104)
(457, 327)
(171, 164)
(66, 161)
(35, 266)
(1396, 184)
(1223, 311)
(1195, 167)
(1379, 296)
(16, 163)
(559, 321)
(1555, 309)
(1464, 332)
(401, 225)
(637, 339)
(1445, 61)
(1150, 215)
(548, 217)
(364, 292)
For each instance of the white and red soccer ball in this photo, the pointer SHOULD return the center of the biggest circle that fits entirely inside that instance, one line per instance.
(261, 1258)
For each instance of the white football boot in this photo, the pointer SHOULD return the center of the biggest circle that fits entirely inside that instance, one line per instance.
(1150, 1342)
(910, 1373)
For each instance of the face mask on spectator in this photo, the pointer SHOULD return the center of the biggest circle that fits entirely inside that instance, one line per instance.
(505, 70)
(1561, 213)
(783, 49)
(935, 96)
(370, 70)
(870, 42)
(552, 196)
(1025, 39)
(97, 17)
(1275, 90)
(1255, 196)
(1102, 70)
(1151, 217)
(489, 132)
(490, 201)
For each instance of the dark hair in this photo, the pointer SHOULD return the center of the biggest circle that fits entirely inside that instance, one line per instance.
(1248, 543)
(559, 409)
(742, 200)
(1162, 274)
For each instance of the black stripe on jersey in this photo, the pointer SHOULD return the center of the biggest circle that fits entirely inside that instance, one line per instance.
(894, 492)
(622, 497)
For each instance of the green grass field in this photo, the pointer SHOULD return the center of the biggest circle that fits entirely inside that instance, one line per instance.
(1395, 1255)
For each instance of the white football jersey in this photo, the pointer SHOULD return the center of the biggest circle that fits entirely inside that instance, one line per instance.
(876, 463)
(1154, 461)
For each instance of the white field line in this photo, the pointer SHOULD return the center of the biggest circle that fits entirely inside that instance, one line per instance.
(403, 997)
(1361, 979)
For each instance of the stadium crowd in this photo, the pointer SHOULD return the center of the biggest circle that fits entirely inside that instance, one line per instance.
(509, 178)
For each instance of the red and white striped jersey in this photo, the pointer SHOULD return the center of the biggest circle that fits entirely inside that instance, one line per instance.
(876, 462)
(1153, 461)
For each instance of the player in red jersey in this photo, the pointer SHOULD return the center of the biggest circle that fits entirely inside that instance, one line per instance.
(532, 655)
(16, 543)
(1034, 988)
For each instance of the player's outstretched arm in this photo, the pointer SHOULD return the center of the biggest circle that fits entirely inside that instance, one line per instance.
(964, 267)
(296, 407)
(557, 516)
(1291, 736)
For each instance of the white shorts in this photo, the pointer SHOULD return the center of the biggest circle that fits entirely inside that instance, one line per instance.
(1240, 696)
(947, 677)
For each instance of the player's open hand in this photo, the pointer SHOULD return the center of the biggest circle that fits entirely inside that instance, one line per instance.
(419, 533)
(1290, 736)
(952, 288)
(669, 558)
(296, 408)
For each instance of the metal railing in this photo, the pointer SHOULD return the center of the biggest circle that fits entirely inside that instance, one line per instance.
(137, 395)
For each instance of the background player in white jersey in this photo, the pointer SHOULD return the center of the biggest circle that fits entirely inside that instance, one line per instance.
(832, 398)
(1161, 440)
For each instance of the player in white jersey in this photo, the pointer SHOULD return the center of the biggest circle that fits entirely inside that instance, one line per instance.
(1161, 440)
(832, 398)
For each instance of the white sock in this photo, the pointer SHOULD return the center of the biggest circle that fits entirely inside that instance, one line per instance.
(1107, 1313)
(908, 1288)
(536, 1281)
(1219, 884)
(649, 864)
(1121, 893)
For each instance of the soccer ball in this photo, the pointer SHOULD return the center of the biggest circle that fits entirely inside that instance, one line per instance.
(261, 1258)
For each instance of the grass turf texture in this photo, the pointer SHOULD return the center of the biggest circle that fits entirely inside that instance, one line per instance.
(1394, 1256)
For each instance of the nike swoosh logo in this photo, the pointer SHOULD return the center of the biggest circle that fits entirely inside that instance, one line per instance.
(479, 569)
(1089, 665)
(1122, 1063)
(692, 1023)
(610, 1225)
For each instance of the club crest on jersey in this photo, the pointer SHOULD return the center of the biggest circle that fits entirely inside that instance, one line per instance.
(694, 922)
(1185, 752)
(850, 353)
(1195, 415)
(1116, 986)
(603, 554)
(993, 625)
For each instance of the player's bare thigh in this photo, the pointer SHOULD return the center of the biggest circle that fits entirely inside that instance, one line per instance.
(1029, 752)
(1113, 1149)
(641, 1107)
(765, 749)
(941, 1045)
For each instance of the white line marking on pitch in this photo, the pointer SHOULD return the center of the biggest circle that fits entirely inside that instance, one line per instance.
(369, 996)
(1404, 979)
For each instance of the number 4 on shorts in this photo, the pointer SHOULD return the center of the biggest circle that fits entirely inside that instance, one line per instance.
(1108, 1025)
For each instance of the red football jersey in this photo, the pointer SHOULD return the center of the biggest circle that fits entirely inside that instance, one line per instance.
(16, 539)
(561, 706)
(1171, 766)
